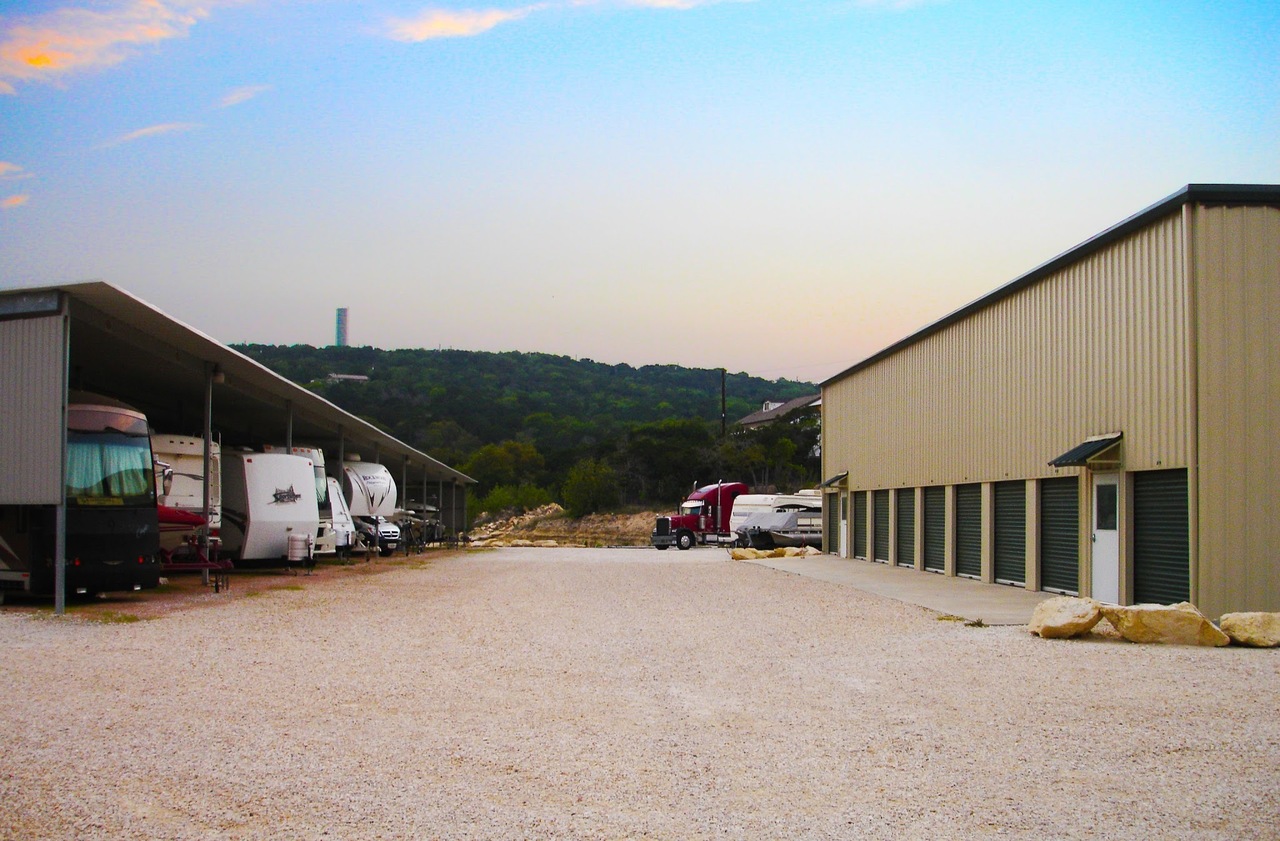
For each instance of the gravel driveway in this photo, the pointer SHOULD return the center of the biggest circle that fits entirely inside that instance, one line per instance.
(597, 693)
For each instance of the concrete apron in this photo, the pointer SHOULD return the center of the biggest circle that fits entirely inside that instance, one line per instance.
(994, 604)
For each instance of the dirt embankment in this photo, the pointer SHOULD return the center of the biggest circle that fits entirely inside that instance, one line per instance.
(552, 523)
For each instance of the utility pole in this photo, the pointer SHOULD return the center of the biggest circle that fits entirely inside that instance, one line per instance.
(723, 376)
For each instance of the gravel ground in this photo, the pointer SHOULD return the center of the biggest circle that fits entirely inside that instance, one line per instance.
(596, 693)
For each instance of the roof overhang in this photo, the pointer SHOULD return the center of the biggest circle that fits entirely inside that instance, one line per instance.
(1090, 452)
(835, 481)
(126, 348)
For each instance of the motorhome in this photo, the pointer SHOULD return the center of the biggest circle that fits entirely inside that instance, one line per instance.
(371, 496)
(748, 505)
(267, 498)
(112, 540)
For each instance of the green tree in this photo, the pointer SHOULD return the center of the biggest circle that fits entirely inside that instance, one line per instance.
(508, 463)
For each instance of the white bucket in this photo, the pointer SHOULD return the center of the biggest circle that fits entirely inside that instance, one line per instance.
(299, 548)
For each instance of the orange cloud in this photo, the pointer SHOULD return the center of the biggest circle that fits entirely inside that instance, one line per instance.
(151, 131)
(10, 202)
(443, 23)
(7, 169)
(243, 94)
(46, 47)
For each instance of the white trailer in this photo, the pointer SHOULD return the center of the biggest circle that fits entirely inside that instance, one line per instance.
(266, 498)
(180, 483)
(337, 529)
(371, 495)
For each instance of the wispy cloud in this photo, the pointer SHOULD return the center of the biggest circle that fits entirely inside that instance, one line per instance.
(9, 170)
(448, 23)
(152, 131)
(61, 42)
(243, 94)
(10, 202)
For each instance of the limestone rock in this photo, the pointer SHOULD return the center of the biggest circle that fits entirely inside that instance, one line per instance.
(1256, 629)
(521, 543)
(1178, 624)
(1064, 617)
(546, 544)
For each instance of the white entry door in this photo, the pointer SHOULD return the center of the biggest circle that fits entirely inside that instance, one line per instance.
(844, 525)
(1106, 537)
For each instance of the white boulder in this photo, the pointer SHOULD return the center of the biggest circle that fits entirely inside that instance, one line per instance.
(1177, 624)
(1256, 629)
(1064, 617)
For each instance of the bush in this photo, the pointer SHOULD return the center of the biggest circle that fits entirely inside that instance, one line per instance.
(590, 487)
(514, 499)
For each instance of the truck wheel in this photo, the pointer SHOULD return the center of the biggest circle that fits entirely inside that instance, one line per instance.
(684, 540)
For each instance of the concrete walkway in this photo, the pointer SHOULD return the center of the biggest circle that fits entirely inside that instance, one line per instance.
(994, 604)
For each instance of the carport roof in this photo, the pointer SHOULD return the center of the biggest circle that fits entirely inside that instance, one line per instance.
(124, 347)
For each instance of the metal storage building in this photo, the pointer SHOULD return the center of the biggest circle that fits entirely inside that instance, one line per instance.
(1105, 424)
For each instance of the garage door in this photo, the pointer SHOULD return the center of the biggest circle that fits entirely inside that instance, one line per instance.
(1161, 537)
(860, 524)
(935, 528)
(969, 530)
(1010, 550)
(880, 539)
(1060, 535)
(906, 538)
(832, 503)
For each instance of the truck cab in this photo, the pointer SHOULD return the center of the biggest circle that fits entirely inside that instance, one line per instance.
(703, 518)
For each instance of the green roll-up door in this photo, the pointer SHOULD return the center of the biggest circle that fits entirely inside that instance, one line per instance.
(906, 537)
(832, 537)
(1060, 535)
(935, 528)
(860, 524)
(1161, 537)
(969, 530)
(1010, 550)
(880, 500)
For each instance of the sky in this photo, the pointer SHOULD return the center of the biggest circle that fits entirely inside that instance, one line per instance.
(778, 188)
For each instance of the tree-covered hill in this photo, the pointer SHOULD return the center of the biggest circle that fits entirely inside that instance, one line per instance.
(528, 418)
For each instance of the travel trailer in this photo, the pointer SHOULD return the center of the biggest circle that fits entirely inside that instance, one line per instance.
(336, 528)
(179, 463)
(371, 496)
(267, 499)
(112, 531)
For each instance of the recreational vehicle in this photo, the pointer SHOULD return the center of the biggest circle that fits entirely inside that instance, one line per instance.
(112, 532)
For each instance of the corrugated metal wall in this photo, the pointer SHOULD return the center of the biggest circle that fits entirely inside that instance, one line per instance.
(1237, 287)
(31, 376)
(1098, 346)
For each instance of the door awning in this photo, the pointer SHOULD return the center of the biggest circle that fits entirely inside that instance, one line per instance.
(835, 480)
(1092, 447)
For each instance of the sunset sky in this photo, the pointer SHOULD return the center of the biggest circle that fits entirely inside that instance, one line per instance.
(780, 188)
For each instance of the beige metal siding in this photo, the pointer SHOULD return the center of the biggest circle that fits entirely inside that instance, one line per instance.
(31, 381)
(1237, 282)
(1097, 346)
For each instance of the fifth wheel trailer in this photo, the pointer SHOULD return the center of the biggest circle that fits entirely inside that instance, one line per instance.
(266, 499)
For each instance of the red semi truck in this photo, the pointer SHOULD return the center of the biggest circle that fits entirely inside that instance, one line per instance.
(703, 518)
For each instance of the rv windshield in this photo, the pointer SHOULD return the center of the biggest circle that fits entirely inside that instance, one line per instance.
(108, 466)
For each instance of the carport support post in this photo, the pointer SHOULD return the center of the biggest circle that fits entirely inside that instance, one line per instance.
(288, 426)
(60, 512)
(208, 460)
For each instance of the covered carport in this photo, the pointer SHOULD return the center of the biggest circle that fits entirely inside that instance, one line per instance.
(96, 337)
